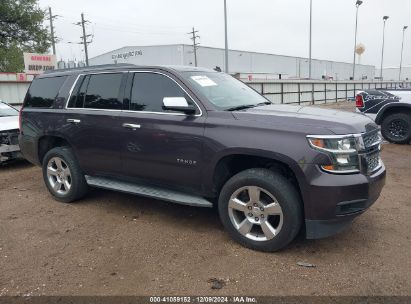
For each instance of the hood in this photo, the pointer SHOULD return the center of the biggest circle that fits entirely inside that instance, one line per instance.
(9, 123)
(337, 122)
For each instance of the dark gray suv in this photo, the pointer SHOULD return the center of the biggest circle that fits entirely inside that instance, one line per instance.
(202, 138)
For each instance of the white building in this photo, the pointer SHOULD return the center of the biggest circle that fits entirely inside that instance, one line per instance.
(243, 62)
(393, 73)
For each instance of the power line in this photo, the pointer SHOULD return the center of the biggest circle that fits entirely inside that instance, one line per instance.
(118, 29)
(194, 37)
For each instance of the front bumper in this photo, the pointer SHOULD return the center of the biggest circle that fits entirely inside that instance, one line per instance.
(9, 152)
(333, 201)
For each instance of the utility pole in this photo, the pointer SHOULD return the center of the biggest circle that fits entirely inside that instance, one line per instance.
(53, 38)
(226, 38)
(82, 23)
(357, 5)
(311, 27)
(194, 38)
(402, 49)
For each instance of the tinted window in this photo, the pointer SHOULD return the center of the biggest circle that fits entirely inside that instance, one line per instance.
(79, 92)
(103, 92)
(149, 89)
(43, 92)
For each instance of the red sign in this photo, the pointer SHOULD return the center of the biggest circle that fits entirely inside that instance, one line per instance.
(38, 63)
(21, 77)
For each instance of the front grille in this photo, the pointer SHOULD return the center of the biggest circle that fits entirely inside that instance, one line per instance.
(372, 138)
(370, 158)
(372, 161)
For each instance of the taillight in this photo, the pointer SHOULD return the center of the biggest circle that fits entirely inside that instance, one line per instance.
(21, 109)
(359, 101)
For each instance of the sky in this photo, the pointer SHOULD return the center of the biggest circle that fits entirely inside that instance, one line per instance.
(269, 26)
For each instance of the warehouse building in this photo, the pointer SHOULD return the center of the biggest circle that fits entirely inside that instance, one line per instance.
(393, 73)
(249, 65)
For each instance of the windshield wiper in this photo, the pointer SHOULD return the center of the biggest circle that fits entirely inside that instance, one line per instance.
(264, 103)
(243, 107)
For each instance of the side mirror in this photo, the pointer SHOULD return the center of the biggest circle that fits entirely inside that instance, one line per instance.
(179, 104)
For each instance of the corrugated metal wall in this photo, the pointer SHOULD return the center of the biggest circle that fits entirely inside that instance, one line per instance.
(11, 90)
(239, 61)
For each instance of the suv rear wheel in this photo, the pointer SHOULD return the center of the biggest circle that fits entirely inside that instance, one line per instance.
(63, 176)
(260, 209)
(396, 128)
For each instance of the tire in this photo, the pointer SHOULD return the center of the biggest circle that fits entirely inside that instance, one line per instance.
(64, 185)
(396, 128)
(278, 204)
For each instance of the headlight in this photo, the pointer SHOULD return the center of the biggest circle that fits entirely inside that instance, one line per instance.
(343, 152)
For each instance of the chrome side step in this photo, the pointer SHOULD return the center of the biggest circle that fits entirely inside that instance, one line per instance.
(148, 191)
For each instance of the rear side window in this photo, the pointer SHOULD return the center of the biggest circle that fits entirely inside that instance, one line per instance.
(43, 92)
(103, 92)
(79, 92)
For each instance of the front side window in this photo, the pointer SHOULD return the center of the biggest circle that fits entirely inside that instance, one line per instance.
(103, 92)
(43, 92)
(150, 89)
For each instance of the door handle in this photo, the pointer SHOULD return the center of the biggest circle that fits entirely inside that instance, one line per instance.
(131, 126)
(73, 121)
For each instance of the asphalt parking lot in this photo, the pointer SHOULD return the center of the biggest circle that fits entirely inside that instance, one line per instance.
(117, 244)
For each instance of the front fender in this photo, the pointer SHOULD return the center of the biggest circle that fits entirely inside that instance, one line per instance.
(297, 168)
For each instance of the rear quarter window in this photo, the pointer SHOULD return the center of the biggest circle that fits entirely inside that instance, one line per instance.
(43, 92)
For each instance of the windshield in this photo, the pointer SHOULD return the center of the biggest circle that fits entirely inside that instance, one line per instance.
(224, 91)
(6, 110)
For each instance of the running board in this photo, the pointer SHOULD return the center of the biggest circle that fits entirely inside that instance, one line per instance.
(148, 191)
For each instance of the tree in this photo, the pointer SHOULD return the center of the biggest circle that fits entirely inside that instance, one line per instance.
(21, 30)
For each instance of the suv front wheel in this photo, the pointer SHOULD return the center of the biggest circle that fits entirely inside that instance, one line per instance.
(63, 176)
(260, 209)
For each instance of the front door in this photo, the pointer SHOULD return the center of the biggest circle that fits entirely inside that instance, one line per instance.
(160, 146)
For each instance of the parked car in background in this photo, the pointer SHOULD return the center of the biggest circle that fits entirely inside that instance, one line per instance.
(391, 109)
(9, 131)
(202, 138)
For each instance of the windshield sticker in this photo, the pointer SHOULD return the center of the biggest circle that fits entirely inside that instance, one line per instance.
(204, 81)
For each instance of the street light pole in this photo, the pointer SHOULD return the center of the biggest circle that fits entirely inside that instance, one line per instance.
(402, 49)
(226, 38)
(311, 23)
(382, 49)
(357, 4)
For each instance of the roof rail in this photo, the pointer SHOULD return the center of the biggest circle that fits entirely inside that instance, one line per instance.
(93, 67)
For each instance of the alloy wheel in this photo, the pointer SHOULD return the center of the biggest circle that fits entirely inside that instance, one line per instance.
(255, 213)
(59, 175)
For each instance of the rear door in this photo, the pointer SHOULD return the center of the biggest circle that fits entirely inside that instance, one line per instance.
(165, 147)
(92, 121)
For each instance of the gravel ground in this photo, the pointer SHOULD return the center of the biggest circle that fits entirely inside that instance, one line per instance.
(117, 244)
